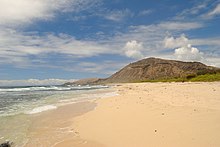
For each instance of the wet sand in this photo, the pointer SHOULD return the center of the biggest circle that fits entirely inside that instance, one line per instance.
(143, 114)
(53, 127)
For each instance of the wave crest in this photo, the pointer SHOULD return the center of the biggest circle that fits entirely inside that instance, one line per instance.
(41, 109)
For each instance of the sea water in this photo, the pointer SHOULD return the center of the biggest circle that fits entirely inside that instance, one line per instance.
(18, 103)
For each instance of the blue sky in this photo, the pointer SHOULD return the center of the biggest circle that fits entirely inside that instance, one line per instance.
(72, 39)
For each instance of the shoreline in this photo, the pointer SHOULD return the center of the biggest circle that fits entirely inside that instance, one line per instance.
(143, 114)
(52, 127)
(59, 120)
(19, 127)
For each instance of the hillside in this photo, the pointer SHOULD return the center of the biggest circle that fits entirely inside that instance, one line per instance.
(159, 69)
(151, 69)
(88, 81)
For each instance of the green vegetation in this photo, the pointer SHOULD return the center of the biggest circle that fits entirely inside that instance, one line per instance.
(164, 80)
(207, 78)
(189, 78)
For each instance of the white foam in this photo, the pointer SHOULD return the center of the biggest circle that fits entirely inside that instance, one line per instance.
(53, 88)
(14, 89)
(41, 109)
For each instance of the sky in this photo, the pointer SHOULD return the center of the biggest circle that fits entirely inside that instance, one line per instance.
(73, 39)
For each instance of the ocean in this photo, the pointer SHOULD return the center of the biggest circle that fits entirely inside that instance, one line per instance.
(18, 103)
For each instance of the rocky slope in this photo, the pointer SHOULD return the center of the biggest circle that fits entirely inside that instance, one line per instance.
(157, 69)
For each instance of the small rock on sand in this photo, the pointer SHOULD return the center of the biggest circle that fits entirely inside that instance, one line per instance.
(6, 144)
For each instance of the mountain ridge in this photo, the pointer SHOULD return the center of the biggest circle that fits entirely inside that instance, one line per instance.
(157, 69)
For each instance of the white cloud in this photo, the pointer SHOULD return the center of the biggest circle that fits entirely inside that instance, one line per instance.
(107, 67)
(171, 42)
(145, 12)
(197, 9)
(133, 49)
(34, 82)
(118, 15)
(16, 46)
(214, 12)
(186, 52)
(77, 18)
(22, 12)
(206, 41)
(171, 25)
(214, 61)
(19, 46)
(189, 53)
(151, 36)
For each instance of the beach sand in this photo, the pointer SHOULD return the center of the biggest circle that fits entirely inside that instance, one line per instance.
(143, 114)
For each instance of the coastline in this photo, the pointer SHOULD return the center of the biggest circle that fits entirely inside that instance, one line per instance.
(52, 127)
(143, 114)
(21, 122)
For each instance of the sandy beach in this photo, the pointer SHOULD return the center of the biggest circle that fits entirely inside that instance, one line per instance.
(143, 114)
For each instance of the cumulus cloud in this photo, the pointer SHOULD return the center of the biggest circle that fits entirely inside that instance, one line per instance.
(171, 42)
(189, 53)
(182, 40)
(33, 82)
(133, 49)
(184, 50)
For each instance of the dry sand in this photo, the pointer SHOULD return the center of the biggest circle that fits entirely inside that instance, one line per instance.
(149, 115)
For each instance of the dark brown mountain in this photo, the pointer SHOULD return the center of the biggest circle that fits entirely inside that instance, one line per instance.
(157, 69)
